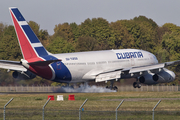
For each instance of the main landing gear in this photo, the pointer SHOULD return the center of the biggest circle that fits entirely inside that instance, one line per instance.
(111, 86)
(137, 84)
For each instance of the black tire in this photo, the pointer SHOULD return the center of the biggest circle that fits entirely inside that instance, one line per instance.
(115, 88)
(139, 85)
(135, 84)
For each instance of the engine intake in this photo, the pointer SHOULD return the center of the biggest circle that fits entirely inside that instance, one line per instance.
(164, 76)
(155, 77)
(147, 79)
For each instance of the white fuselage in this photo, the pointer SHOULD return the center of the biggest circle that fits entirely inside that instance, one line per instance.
(82, 63)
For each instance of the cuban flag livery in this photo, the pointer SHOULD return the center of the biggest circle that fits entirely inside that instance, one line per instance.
(98, 66)
(36, 58)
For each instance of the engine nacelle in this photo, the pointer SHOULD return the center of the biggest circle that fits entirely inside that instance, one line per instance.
(23, 75)
(147, 79)
(164, 76)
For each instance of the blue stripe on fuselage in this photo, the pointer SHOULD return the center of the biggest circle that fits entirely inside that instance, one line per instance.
(18, 15)
(32, 37)
(62, 73)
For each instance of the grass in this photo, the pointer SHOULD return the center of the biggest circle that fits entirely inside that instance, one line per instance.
(97, 101)
(26, 105)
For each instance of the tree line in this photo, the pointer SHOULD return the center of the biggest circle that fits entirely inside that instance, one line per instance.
(96, 34)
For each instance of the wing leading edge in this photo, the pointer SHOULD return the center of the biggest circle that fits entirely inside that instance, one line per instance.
(12, 65)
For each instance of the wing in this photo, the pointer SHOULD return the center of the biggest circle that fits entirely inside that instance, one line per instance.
(115, 73)
(12, 65)
(172, 63)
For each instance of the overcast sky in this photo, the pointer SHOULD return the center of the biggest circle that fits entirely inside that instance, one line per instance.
(48, 13)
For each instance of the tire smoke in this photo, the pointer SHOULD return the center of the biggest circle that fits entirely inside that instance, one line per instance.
(83, 89)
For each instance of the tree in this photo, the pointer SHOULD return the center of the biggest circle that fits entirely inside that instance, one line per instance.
(160, 32)
(172, 27)
(143, 32)
(97, 28)
(2, 26)
(171, 43)
(44, 37)
(145, 19)
(86, 44)
(64, 31)
(59, 45)
(75, 30)
(120, 37)
(9, 47)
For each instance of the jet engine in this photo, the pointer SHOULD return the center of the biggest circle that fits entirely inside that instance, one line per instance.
(164, 76)
(147, 79)
(23, 75)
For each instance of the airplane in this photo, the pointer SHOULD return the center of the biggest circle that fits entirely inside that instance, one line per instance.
(99, 66)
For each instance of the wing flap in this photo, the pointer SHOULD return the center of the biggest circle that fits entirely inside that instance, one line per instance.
(92, 74)
(108, 76)
(12, 65)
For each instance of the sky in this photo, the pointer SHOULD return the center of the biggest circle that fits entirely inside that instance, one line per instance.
(48, 13)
